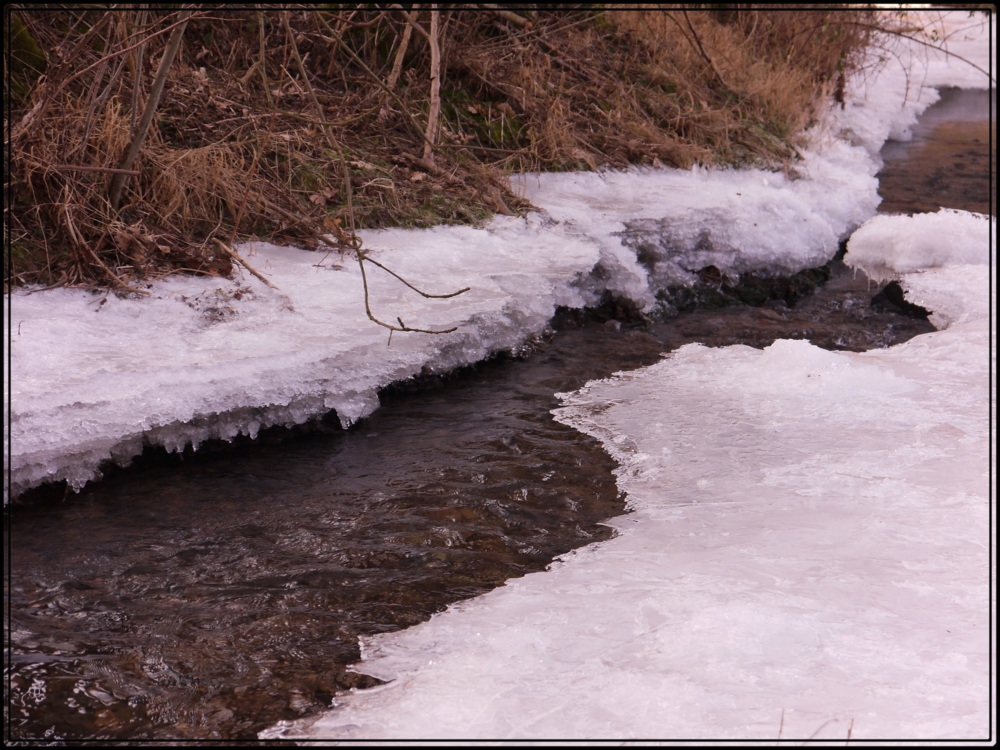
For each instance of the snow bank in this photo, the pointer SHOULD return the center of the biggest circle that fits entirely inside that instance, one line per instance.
(942, 260)
(94, 381)
(95, 378)
(656, 228)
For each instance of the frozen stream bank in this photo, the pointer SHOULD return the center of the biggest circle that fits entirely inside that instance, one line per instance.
(94, 379)
(808, 555)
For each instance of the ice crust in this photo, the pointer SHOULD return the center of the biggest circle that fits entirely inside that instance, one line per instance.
(807, 537)
(658, 227)
(808, 550)
(94, 379)
(944, 261)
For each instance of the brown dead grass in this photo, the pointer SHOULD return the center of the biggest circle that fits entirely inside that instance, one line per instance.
(230, 156)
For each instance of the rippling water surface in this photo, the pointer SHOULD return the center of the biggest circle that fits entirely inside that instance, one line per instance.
(215, 595)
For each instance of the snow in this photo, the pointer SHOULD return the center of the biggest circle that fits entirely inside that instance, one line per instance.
(808, 549)
(95, 378)
(938, 258)
(677, 222)
(91, 383)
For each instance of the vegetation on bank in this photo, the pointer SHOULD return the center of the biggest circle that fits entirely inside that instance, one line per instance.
(144, 142)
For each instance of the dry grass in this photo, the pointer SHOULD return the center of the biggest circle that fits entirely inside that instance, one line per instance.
(238, 148)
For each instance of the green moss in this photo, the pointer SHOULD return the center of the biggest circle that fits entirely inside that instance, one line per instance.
(309, 176)
(27, 60)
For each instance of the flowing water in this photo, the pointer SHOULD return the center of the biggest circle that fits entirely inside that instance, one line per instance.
(211, 595)
(948, 161)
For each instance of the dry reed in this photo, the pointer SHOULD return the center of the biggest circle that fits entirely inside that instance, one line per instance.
(236, 136)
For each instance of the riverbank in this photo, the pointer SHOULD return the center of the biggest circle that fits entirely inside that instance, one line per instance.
(302, 126)
(219, 595)
(89, 385)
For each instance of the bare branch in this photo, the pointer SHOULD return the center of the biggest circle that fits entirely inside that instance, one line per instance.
(418, 291)
(435, 108)
(368, 309)
(397, 66)
(933, 46)
(82, 168)
(118, 183)
(335, 39)
(701, 49)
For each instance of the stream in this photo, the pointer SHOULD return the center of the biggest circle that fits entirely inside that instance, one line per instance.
(212, 594)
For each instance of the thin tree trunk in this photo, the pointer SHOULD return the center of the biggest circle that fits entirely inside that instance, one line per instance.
(432, 118)
(173, 44)
(397, 66)
(137, 59)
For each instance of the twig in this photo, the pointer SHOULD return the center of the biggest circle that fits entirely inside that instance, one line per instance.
(397, 66)
(117, 279)
(118, 183)
(427, 166)
(82, 168)
(920, 41)
(421, 293)
(57, 83)
(238, 259)
(402, 326)
(410, 120)
(412, 20)
(281, 211)
(702, 50)
(507, 15)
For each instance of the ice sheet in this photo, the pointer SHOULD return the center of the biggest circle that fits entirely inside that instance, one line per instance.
(91, 383)
(809, 539)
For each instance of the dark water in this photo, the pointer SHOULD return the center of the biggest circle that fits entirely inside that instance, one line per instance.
(948, 161)
(214, 596)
